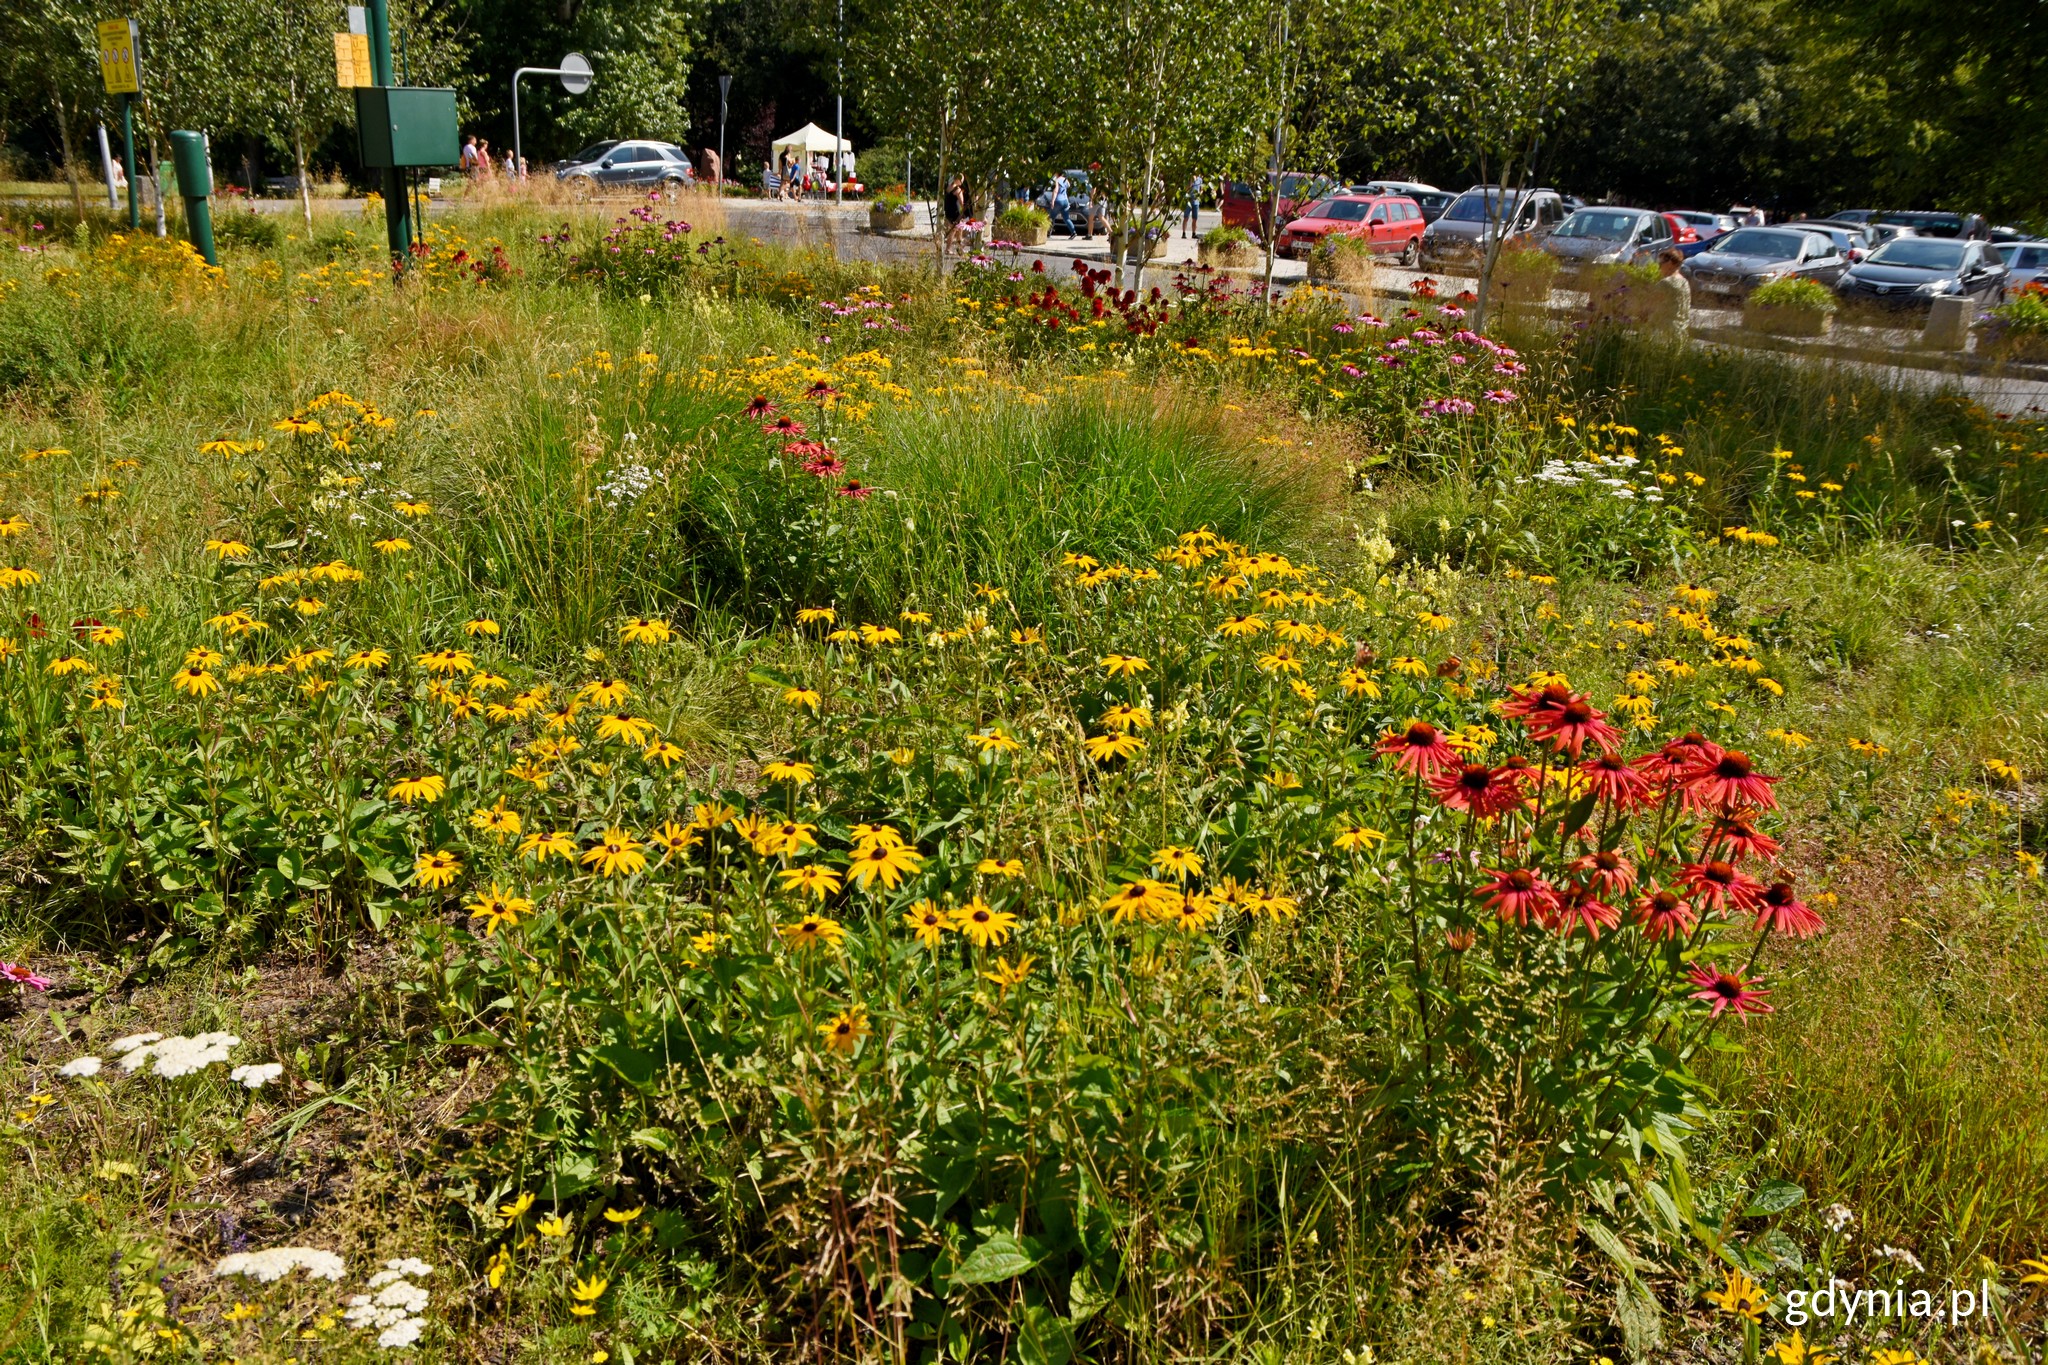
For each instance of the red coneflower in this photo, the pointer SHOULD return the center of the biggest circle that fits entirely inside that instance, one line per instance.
(1727, 991)
(854, 488)
(1478, 789)
(1582, 908)
(784, 425)
(1728, 782)
(1736, 834)
(821, 391)
(1570, 727)
(1666, 768)
(1664, 914)
(1719, 885)
(1620, 785)
(1420, 749)
(1780, 908)
(1611, 873)
(1460, 940)
(1525, 703)
(760, 406)
(1519, 894)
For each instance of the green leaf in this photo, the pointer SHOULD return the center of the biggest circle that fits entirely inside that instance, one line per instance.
(653, 1139)
(1092, 1287)
(1608, 1241)
(1773, 1196)
(1001, 1257)
(634, 1065)
(1636, 1313)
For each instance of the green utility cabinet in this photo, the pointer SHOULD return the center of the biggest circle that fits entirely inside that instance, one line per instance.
(403, 125)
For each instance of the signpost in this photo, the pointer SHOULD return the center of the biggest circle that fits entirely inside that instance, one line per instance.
(121, 73)
(724, 89)
(576, 75)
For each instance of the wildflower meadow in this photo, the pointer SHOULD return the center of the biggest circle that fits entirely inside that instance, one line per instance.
(634, 795)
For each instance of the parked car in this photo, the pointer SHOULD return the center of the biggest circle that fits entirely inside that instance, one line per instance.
(1935, 223)
(1462, 235)
(1391, 223)
(1082, 208)
(1593, 237)
(629, 165)
(1249, 204)
(1914, 271)
(1853, 240)
(1431, 200)
(1682, 232)
(1857, 216)
(1741, 260)
(1880, 233)
(1706, 227)
(2025, 263)
(2006, 232)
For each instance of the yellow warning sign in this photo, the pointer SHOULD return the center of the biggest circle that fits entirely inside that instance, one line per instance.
(117, 57)
(352, 60)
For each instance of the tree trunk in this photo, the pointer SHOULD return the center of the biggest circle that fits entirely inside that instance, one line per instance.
(305, 189)
(70, 162)
(156, 186)
(1272, 233)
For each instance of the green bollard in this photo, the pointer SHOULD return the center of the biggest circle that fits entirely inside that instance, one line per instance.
(195, 183)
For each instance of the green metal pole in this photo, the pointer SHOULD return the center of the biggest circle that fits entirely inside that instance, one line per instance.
(397, 212)
(128, 160)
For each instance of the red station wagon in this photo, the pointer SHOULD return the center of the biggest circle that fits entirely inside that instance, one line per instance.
(1249, 205)
(1391, 222)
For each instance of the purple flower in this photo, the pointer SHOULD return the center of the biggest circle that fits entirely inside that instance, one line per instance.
(1450, 310)
(19, 975)
(1511, 367)
(1501, 395)
(1353, 371)
(1448, 407)
(1343, 329)
(1392, 362)
(1456, 359)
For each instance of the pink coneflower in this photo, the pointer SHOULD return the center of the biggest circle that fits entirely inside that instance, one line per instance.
(1620, 785)
(1736, 833)
(1524, 703)
(1728, 782)
(784, 425)
(1720, 885)
(1727, 991)
(1778, 907)
(760, 406)
(1478, 789)
(1581, 908)
(1519, 894)
(824, 466)
(1502, 396)
(1420, 749)
(1612, 874)
(1570, 727)
(24, 977)
(1664, 914)
(854, 488)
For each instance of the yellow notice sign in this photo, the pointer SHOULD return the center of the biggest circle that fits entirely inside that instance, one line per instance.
(352, 60)
(117, 57)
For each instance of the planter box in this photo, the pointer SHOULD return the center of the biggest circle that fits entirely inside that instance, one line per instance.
(1787, 322)
(890, 220)
(1236, 256)
(1117, 252)
(1349, 268)
(1033, 234)
(2017, 350)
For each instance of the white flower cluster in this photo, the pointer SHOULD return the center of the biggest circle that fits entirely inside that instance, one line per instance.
(1589, 474)
(278, 1262)
(176, 1056)
(627, 484)
(395, 1305)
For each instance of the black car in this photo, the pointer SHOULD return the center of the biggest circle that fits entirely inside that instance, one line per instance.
(1912, 272)
(1856, 216)
(1741, 260)
(1935, 222)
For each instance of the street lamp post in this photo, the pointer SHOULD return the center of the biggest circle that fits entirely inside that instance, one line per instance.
(575, 74)
(839, 126)
(724, 89)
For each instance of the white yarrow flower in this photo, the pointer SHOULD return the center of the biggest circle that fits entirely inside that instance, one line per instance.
(80, 1066)
(277, 1262)
(401, 1334)
(132, 1041)
(258, 1076)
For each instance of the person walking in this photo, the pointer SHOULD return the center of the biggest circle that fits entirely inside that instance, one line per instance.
(483, 159)
(955, 207)
(1062, 204)
(1191, 211)
(466, 163)
(1671, 295)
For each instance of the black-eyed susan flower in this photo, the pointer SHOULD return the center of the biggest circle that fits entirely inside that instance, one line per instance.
(813, 930)
(914, 618)
(1280, 659)
(1353, 837)
(1141, 899)
(1126, 717)
(795, 773)
(106, 694)
(844, 1031)
(437, 870)
(1271, 904)
(1000, 867)
(1357, 682)
(1177, 860)
(1239, 627)
(497, 821)
(447, 661)
(555, 844)
(1008, 973)
(673, 839)
(646, 630)
(884, 862)
(711, 815)
(811, 879)
(428, 787)
(870, 836)
(804, 697)
(367, 659)
(983, 925)
(1123, 665)
(194, 681)
(617, 854)
(412, 509)
(13, 526)
(69, 663)
(994, 741)
(816, 616)
(664, 752)
(1741, 1297)
(394, 545)
(12, 577)
(1103, 748)
(499, 906)
(625, 729)
(481, 625)
(928, 922)
(227, 549)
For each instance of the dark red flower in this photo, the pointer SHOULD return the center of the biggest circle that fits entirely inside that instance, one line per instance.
(1720, 885)
(1735, 833)
(1617, 783)
(1519, 894)
(1571, 727)
(1420, 749)
(1727, 991)
(1581, 908)
(1526, 702)
(1478, 789)
(854, 488)
(1611, 873)
(1460, 940)
(1666, 768)
(760, 406)
(1664, 914)
(1778, 907)
(1728, 782)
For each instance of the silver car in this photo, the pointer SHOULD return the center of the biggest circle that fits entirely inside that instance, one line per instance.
(2028, 262)
(1594, 237)
(640, 165)
(1461, 236)
(1747, 257)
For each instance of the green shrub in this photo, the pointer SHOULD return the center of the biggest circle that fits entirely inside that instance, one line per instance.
(1810, 295)
(2025, 315)
(1219, 238)
(1020, 220)
(247, 228)
(890, 200)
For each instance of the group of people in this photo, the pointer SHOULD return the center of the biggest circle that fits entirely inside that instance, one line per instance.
(793, 179)
(476, 160)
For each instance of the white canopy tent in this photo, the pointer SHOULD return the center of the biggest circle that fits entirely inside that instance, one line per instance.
(808, 141)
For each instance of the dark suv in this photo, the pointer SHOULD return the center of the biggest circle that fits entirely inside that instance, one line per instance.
(628, 164)
(1461, 235)
(1935, 223)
